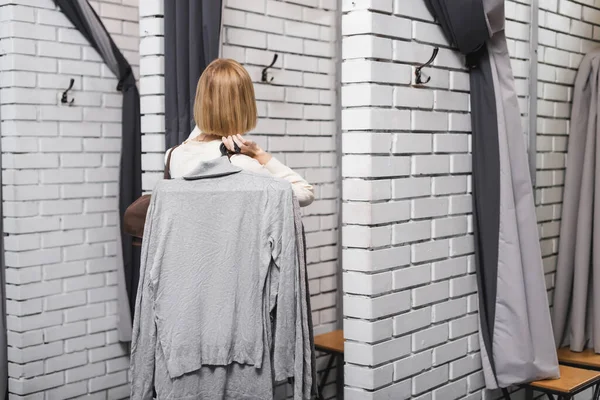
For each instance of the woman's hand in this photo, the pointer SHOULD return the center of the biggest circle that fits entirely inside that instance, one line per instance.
(248, 147)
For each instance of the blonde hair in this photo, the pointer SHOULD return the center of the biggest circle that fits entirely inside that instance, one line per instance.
(225, 103)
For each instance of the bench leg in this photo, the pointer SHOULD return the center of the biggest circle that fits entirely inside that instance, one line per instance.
(340, 376)
(325, 376)
(596, 392)
(528, 393)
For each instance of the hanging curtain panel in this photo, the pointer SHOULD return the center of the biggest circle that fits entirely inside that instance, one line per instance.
(192, 40)
(577, 289)
(515, 329)
(86, 21)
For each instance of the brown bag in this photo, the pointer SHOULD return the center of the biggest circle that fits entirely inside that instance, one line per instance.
(135, 215)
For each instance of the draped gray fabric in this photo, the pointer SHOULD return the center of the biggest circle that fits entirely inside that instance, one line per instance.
(192, 39)
(85, 20)
(515, 328)
(577, 289)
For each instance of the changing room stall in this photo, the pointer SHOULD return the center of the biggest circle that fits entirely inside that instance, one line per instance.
(451, 145)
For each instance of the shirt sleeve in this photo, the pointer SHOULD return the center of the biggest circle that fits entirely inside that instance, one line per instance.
(283, 253)
(143, 341)
(306, 365)
(303, 191)
(248, 164)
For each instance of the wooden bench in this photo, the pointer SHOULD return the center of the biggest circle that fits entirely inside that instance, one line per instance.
(587, 359)
(572, 381)
(331, 343)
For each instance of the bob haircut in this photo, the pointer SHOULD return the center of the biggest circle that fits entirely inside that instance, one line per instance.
(225, 103)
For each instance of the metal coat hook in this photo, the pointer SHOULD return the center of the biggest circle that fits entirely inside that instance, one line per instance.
(264, 71)
(63, 99)
(418, 74)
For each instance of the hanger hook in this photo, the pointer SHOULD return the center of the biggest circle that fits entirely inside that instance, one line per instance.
(418, 73)
(264, 71)
(63, 99)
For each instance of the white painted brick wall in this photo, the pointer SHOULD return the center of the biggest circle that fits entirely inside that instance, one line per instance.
(296, 113)
(60, 176)
(410, 294)
(409, 283)
(442, 314)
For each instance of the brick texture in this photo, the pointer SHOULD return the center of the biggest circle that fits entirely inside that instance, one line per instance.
(59, 196)
(409, 285)
(410, 305)
(296, 114)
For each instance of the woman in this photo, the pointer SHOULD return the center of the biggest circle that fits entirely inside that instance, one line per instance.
(224, 110)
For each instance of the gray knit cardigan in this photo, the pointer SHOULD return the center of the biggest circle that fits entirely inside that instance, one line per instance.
(222, 310)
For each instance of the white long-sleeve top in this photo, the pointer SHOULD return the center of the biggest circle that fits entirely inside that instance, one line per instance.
(192, 152)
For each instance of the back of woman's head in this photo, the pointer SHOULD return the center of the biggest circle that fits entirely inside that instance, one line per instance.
(225, 103)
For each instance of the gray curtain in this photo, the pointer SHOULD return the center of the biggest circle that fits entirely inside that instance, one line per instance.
(515, 328)
(192, 38)
(577, 290)
(85, 20)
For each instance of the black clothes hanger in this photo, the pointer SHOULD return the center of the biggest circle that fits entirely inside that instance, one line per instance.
(226, 152)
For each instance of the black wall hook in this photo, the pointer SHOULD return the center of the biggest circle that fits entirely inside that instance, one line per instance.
(264, 71)
(418, 73)
(63, 99)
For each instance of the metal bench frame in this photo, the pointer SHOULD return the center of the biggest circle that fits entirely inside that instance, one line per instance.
(332, 357)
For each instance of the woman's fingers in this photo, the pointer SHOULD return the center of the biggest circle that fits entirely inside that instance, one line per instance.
(238, 141)
(228, 143)
(249, 145)
(244, 141)
(243, 148)
(224, 140)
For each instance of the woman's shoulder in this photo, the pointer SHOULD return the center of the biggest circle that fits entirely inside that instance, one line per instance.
(195, 149)
(245, 162)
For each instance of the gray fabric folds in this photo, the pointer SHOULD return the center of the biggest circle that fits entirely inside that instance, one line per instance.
(222, 310)
(523, 345)
(192, 41)
(515, 327)
(577, 287)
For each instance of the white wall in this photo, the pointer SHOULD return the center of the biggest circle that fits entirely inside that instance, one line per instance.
(410, 302)
(410, 306)
(59, 168)
(296, 112)
(409, 288)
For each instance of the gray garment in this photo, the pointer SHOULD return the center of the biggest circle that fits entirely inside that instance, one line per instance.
(577, 288)
(210, 279)
(523, 346)
(514, 317)
(309, 385)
